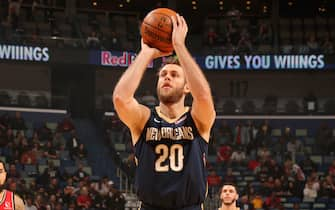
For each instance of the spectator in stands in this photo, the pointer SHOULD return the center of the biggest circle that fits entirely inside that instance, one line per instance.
(83, 200)
(58, 140)
(310, 103)
(312, 44)
(257, 201)
(285, 138)
(272, 202)
(214, 183)
(29, 205)
(311, 190)
(293, 147)
(327, 46)
(263, 153)
(80, 174)
(307, 165)
(93, 40)
(14, 7)
(50, 151)
(102, 186)
(238, 157)
(28, 157)
(263, 137)
(224, 153)
(18, 123)
(245, 204)
(44, 133)
(73, 144)
(81, 152)
(264, 34)
(229, 177)
(225, 133)
(115, 41)
(69, 190)
(331, 169)
(211, 37)
(244, 43)
(117, 201)
(327, 188)
(66, 125)
(254, 164)
(13, 172)
(324, 138)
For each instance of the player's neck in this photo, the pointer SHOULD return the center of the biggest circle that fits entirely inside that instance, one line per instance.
(173, 111)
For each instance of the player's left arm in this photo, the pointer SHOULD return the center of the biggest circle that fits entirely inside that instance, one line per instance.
(18, 202)
(203, 111)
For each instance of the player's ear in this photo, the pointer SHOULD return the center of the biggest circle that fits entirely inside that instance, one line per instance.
(186, 88)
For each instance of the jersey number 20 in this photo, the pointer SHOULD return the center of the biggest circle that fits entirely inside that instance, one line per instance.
(174, 153)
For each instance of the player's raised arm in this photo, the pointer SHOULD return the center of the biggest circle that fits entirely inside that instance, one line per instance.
(203, 107)
(133, 114)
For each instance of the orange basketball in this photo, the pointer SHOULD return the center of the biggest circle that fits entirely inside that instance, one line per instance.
(156, 29)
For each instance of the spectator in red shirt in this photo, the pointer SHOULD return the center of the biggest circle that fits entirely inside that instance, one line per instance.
(214, 182)
(84, 201)
(272, 201)
(224, 153)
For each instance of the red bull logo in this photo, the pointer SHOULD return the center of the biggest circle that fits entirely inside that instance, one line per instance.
(124, 60)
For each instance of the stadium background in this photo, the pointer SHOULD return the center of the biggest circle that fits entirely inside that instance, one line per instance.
(281, 117)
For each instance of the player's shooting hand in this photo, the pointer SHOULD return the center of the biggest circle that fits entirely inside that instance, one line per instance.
(154, 52)
(180, 30)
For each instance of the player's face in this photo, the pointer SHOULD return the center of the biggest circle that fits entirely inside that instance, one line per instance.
(228, 195)
(171, 86)
(3, 175)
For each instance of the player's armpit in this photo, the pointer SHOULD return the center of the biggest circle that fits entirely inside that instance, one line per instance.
(18, 202)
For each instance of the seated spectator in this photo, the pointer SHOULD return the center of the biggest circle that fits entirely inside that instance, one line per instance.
(93, 40)
(229, 177)
(212, 36)
(44, 133)
(272, 202)
(245, 203)
(311, 190)
(244, 44)
(327, 46)
(81, 152)
(224, 153)
(264, 34)
(312, 44)
(84, 201)
(65, 125)
(28, 157)
(50, 151)
(331, 169)
(58, 139)
(72, 144)
(80, 174)
(293, 147)
(257, 201)
(238, 157)
(18, 123)
(115, 41)
(214, 182)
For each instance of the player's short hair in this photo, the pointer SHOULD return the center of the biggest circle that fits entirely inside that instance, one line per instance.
(230, 183)
(169, 60)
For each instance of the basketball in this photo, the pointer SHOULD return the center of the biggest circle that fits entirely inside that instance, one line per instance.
(156, 29)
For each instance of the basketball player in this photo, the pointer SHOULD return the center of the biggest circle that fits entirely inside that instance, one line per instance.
(228, 197)
(171, 140)
(8, 201)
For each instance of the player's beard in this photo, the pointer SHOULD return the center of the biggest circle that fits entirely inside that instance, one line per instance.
(172, 97)
(229, 203)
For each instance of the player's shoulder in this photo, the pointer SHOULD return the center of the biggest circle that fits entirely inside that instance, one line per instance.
(18, 202)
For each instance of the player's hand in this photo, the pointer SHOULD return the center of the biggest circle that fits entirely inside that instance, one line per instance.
(180, 30)
(154, 52)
